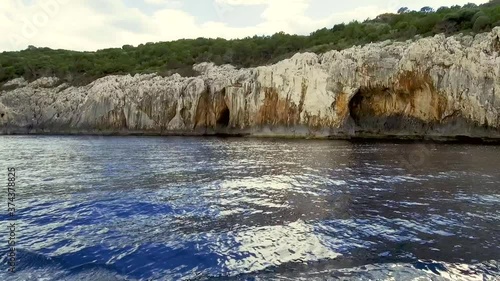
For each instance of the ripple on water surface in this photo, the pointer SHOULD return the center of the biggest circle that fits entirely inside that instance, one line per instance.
(93, 208)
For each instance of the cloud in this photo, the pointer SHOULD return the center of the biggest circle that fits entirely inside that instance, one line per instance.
(175, 3)
(156, 2)
(95, 24)
(242, 2)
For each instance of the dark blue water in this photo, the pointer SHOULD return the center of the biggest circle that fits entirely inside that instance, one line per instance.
(126, 208)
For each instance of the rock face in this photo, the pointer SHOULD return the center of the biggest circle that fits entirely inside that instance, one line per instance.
(434, 88)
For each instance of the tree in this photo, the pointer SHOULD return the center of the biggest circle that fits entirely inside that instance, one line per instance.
(403, 10)
(443, 9)
(426, 25)
(446, 26)
(338, 27)
(470, 6)
(477, 15)
(492, 3)
(481, 23)
(427, 10)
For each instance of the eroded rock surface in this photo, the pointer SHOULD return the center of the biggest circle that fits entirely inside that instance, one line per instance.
(433, 87)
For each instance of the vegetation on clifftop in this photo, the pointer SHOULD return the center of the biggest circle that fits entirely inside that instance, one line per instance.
(179, 56)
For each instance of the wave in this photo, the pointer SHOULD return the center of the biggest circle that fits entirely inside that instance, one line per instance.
(40, 267)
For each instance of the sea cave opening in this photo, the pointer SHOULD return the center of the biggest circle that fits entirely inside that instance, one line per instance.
(370, 105)
(356, 106)
(378, 110)
(385, 111)
(223, 120)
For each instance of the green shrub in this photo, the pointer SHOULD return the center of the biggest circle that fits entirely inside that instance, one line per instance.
(481, 23)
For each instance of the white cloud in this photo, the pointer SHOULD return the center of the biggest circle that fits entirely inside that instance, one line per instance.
(95, 24)
(156, 2)
(242, 2)
(175, 3)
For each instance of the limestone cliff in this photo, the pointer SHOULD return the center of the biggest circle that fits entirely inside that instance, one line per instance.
(433, 87)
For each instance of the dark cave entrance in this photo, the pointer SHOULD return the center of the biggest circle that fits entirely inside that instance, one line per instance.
(224, 117)
(382, 111)
(374, 111)
(356, 106)
(2, 115)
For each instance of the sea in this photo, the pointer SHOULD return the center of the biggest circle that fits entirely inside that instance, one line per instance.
(196, 208)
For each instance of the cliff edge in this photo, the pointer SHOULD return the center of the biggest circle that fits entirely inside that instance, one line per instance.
(438, 87)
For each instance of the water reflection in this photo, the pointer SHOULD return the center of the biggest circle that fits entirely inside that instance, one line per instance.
(170, 208)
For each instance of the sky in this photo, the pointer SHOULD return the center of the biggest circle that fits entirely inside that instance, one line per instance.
(89, 25)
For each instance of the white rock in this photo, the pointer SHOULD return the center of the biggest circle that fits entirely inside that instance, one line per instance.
(434, 86)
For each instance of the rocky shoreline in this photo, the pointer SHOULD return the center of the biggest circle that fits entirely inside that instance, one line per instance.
(437, 88)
